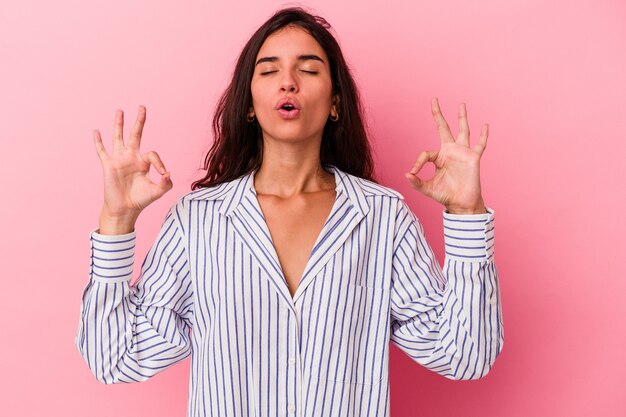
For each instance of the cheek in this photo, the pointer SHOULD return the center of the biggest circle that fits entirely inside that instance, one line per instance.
(327, 96)
(256, 90)
(324, 103)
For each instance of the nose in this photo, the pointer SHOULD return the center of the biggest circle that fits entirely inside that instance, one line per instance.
(288, 83)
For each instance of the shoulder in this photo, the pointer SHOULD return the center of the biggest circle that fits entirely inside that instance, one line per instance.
(216, 192)
(372, 189)
(181, 207)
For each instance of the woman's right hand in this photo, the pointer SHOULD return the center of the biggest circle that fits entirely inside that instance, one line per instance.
(127, 186)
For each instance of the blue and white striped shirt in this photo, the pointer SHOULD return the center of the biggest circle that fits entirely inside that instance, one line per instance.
(211, 287)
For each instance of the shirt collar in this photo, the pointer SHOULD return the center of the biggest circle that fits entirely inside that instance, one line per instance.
(231, 193)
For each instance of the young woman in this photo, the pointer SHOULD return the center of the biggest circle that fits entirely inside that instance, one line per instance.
(287, 270)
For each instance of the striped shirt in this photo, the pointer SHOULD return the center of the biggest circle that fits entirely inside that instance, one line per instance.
(211, 287)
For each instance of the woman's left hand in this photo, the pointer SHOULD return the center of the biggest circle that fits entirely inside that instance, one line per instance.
(456, 183)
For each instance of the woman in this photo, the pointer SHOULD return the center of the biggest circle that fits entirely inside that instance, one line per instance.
(286, 271)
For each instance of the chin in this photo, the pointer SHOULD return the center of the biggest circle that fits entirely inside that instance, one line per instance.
(287, 134)
(295, 138)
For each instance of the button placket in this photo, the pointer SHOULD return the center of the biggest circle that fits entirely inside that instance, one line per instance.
(290, 358)
(292, 334)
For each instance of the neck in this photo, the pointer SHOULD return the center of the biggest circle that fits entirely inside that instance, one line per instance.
(287, 179)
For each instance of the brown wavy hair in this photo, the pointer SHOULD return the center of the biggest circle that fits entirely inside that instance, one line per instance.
(237, 148)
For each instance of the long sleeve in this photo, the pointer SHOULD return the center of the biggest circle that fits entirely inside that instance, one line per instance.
(130, 333)
(448, 320)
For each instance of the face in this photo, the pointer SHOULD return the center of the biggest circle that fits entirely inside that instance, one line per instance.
(292, 64)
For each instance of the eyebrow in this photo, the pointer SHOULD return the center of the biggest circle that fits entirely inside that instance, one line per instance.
(300, 58)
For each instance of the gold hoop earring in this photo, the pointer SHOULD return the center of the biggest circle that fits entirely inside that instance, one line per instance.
(334, 119)
(250, 120)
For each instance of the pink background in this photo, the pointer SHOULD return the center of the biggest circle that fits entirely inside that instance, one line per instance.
(549, 80)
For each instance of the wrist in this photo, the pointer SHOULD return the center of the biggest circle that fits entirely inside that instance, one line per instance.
(116, 224)
(477, 209)
(456, 211)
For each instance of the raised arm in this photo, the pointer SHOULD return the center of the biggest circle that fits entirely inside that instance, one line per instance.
(129, 333)
(449, 320)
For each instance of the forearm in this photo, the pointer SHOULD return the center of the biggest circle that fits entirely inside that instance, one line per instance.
(472, 303)
(122, 337)
(472, 318)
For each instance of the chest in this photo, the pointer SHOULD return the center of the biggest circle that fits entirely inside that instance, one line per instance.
(294, 226)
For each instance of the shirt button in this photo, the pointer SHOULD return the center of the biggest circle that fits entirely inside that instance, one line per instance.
(291, 408)
(292, 360)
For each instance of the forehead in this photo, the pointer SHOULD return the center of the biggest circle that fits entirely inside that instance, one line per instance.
(289, 42)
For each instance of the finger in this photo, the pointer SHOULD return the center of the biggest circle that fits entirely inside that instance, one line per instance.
(482, 143)
(166, 181)
(416, 182)
(163, 185)
(423, 157)
(135, 135)
(154, 159)
(118, 131)
(444, 131)
(97, 139)
(464, 132)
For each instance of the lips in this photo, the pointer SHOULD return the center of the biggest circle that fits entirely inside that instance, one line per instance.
(288, 114)
(286, 101)
(288, 108)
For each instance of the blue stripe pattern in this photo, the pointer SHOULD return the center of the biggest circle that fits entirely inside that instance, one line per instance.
(211, 288)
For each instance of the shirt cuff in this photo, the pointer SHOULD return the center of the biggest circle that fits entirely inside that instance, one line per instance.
(469, 237)
(112, 256)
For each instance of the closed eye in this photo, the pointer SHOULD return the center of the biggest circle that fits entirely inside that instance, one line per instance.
(308, 72)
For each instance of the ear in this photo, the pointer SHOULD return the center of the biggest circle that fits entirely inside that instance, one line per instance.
(336, 101)
(251, 111)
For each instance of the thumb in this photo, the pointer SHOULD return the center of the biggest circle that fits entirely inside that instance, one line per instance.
(165, 182)
(415, 181)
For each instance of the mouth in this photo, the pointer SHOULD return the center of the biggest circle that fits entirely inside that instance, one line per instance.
(288, 111)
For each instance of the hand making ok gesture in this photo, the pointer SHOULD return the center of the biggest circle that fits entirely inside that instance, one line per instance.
(456, 183)
(127, 186)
